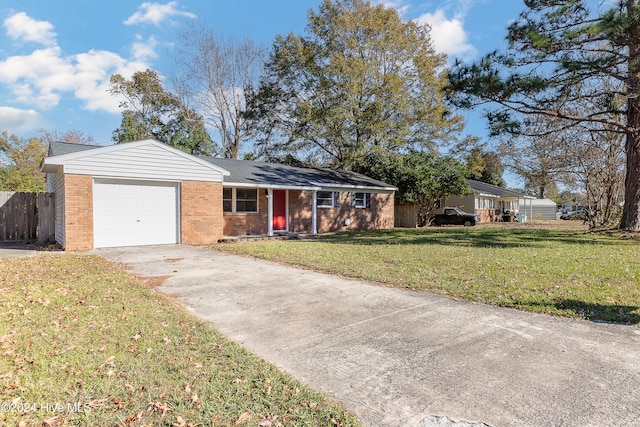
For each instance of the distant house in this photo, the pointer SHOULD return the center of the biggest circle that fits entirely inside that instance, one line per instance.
(490, 201)
(487, 200)
(148, 193)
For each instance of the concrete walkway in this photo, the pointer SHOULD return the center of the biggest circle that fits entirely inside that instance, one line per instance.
(403, 358)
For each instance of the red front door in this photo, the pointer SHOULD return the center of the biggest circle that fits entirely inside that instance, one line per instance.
(279, 210)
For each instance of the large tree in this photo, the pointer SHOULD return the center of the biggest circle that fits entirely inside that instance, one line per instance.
(560, 53)
(70, 136)
(537, 156)
(150, 111)
(421, 178)
(22, 157)
(485, 166)
(596, 166)
(361, 80)
(214, 74)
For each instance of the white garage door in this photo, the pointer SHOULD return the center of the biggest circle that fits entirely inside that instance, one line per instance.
(131, 213)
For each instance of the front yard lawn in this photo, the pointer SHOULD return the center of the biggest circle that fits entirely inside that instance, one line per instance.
(562, 272)
(84, 343)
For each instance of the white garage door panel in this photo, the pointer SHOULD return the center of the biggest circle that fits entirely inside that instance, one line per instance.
(131, 213)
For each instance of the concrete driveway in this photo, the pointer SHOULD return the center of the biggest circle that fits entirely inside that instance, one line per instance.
(16, 249)
(403, 358)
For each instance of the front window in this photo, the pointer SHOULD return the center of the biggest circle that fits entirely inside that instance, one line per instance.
(360, 200)
(227, 199)
(327, 199)
(240, 200)
(246, 200)
(486, 203)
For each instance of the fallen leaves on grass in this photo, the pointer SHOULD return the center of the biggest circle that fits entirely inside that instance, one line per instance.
(83, 330)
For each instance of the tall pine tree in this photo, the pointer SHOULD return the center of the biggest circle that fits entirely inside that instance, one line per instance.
(561, 52)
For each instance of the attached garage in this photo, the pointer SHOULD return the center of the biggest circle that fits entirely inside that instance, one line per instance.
(138, 193)
(131, 213)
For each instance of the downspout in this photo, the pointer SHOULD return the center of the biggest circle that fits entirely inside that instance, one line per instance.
(270, 209)
(314, 219)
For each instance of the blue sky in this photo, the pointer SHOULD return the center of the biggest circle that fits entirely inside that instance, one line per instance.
(56, 56)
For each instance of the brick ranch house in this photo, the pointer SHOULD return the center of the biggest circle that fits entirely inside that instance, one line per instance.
(148, 193)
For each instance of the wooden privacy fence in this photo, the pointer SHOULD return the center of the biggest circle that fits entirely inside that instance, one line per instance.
(27, 216)
(405, 215)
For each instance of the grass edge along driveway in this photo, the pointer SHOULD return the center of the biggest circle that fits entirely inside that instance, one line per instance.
(571, 273)
(84, 343)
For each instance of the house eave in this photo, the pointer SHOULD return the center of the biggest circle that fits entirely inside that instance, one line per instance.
(354, 187)
(267, 186)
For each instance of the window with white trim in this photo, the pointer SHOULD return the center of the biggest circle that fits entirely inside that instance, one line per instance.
(361, 200)
(485, 203)
(240, 200)
(327, 199)
(227, 199)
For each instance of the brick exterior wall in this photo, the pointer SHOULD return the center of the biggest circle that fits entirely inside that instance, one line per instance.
(78, 206)
(200, 212)
(245, 224)
(300, 211)
(378, 216)
(489, 215)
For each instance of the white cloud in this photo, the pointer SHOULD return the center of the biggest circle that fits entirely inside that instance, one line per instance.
(448, 35)
(22, 27)
(143, 50)
(398, 5)
(93, 70)
(17, 121)
(39, 79)
(155, 13)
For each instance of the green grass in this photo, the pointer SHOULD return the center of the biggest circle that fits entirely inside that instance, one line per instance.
(560, 272)
(78, 330)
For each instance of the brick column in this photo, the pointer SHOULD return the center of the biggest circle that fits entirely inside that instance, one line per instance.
(200, 212)
(78, 207)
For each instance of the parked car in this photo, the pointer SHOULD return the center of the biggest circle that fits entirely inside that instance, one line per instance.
(580, 214)
(454, 216)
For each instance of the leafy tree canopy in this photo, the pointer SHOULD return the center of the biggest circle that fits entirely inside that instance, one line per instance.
(485, 166)
(360, 81)
(23, 157)
(421, 178)
(560, 53)
(20, 158)
(152, 112)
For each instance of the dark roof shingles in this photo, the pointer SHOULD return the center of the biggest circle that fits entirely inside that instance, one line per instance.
(62, 148)
(249, 172)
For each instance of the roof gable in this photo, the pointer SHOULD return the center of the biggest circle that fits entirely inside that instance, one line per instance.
(147, 159)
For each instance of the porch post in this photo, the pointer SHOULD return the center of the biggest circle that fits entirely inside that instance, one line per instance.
(270, 209)
(314, 218)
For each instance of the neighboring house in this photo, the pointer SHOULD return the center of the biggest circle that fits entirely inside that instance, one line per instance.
(490, 201)
(145, 192)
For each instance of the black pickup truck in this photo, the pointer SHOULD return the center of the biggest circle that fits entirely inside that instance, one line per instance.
(454, 216)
